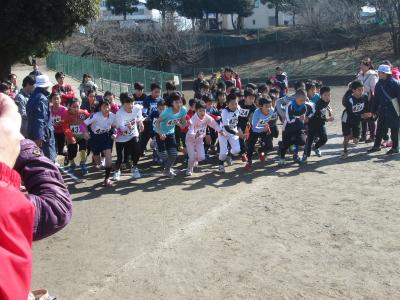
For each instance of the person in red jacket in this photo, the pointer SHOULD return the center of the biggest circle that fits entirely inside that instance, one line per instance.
(16, 212)
(65, 90)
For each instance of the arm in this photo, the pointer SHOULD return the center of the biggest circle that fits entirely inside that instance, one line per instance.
(213, 124)
(21, 106)
(67, 130)
(38, 120)
(46, 190)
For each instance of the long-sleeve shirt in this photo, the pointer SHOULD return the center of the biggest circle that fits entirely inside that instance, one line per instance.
(321, 113)
(72, 123)
(230, 120)
(21, 100)
(260, 120)
(387, 107)
(294, 115)
(354, 108)
(150, 105)
(199, 126)
(66, 92)
(46, 190)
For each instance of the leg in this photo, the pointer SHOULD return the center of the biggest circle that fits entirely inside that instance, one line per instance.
(364, 125)
(310, 139)
(251, 143)
(108, 157)
(235, 145)
(286, 143)
(172, 151)
(266, 142)
(191, 151)
(146, 134)
(162, 150)
(72, 150)
(372, 128)
(119, 147)
(200, 151)
(223, 148)
(323, 138)
(380, 133)
(135, 151)
(394, 135)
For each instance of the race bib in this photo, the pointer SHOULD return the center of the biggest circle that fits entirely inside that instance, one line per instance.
(201, 131)
(244, 113)
(100, 131)
(75, 129)
(173, 122)
(155, 121)
(127, 132)
(262, 123)
(358, 107)
(56, 119)
(233, 123)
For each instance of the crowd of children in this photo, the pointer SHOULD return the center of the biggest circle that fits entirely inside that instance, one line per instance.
(221, 118)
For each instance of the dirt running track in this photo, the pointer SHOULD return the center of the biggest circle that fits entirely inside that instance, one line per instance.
(327, 230)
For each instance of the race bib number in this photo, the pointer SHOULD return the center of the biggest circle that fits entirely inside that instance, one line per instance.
(233, 123)
(155, 121)
(100, 131)
(75, 129)
(244, 113)
(127, 132)
(56, 120)
(173, 122)
(201, 131)
(262, 123)
(358, 107)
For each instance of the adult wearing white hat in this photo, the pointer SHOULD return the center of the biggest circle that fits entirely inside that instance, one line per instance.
(40, 127)
(386, 106)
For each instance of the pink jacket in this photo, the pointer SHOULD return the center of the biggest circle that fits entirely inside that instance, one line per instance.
(197, 125)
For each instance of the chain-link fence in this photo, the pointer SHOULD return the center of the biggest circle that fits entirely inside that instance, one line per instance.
(108, 76)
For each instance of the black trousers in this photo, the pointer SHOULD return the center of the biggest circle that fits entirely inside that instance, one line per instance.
(124, 150)
(146, 136)
(60, 142)
(290, 138)
(313, 132)
(73, 148)
(382, 131)
(266, 143)
(370, 125)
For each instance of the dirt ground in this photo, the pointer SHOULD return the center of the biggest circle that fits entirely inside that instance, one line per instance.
(325, 230)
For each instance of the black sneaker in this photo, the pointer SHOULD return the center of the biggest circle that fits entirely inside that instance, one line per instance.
(363, 139)
(392, 151)
(374, 149)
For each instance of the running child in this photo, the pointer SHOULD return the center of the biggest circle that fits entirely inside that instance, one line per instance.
(101, 136)
(211, 135)
(153, 119)
(128, 122)
(198, 125)
(74, 136)
(316, 124)
(174, 115)
(86, 86)
(247, 108)
(65, 90)
(230, 121)
(312, 94)
(90, 103)
(139, 94)
(264, 119)
(356, 107)
(149, 105)
(297, 113)
(111, 97)
(58, 114)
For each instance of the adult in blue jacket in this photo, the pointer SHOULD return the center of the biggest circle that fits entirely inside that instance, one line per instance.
(40, 127)
(386, 106)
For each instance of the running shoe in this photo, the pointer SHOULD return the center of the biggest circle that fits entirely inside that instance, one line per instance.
(84, 169)
(229, 161)
(169, 173)
(71, 169)
(136, 173)
(117, 175)
(262, 156)
(282, 162)
(66, 162)
(189, 173)
(362, 139)
(221, 169)
(318, 152)
(392, 151)
(345, 154)
(370, 140)
(108, 183)
(249, 167)
(155, 156)
(244, 157)
(304, 159)
(374, 149)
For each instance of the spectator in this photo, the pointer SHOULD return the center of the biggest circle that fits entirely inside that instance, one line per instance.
(22, 99)
(238, 80)
(65, 90)
(395, 70)
(35, 71)
(16, 214)
(386, 108)
(40, 127)
(5, 88)
(12, 78)
(197, 83)
(86, 86)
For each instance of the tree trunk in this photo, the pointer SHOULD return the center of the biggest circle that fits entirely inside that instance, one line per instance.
(233, 22)
(276, 16)
(5, 68)
(294, 19)
(194, 24)
(124, 15)
(217, 20)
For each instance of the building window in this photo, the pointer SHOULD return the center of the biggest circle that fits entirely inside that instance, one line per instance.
(103, 3)
(254, 22)
(256, 3)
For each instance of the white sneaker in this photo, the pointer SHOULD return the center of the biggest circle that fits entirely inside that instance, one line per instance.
(169, 173)
(318, 152)
(304, 159)
(282, 162)
(136, 173)
(229, 161)
(117, 175)
(221, 169)
(189, 173)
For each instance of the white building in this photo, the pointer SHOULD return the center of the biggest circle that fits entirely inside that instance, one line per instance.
(142, 14)
(262, 17)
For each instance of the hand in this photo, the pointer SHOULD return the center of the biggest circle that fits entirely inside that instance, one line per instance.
(10, 123)
(73, 141)
(267, 129)
(86, 136)
(331, 119)
(129, 125)
(197, 135)
(223, 133)
(242, 136)
(218, 118)
(39, 143)
(114, 137)
(141, 127)
(162, 137)
(302, 117)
